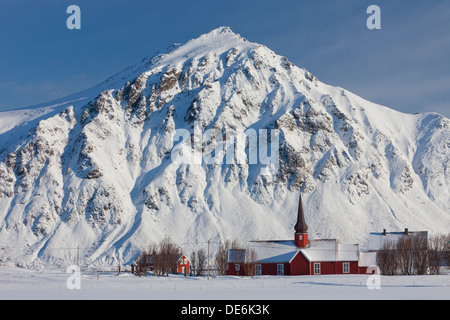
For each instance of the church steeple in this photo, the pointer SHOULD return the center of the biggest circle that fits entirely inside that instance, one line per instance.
(301, 229)
(300, 226)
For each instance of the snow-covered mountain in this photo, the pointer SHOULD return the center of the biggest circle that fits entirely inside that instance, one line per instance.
(94, 170)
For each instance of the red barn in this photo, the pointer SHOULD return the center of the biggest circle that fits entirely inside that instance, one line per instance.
(299, 256)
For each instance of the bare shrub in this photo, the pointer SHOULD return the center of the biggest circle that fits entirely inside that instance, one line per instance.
(222, 256)
(387, 258)
(250, 259)
(199, 261)
(145, 261)
(438, 248)
(404, 251)
(166, 257)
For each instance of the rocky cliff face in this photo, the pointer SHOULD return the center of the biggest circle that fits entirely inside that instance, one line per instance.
(96, 171)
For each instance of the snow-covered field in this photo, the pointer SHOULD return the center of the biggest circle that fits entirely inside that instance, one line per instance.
(24, 284)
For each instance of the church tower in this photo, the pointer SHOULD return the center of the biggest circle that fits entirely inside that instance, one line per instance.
(301, 229)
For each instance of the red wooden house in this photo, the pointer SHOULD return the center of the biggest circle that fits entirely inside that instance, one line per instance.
(299, 256)
(183, 264)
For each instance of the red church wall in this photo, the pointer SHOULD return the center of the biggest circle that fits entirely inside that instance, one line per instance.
(271, 269)
(267, 269)
(300, 265)
(233, 270)
(363, 270)
(331, 267)
(326, 267)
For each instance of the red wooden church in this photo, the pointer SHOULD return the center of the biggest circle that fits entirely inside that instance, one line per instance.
(299, 256)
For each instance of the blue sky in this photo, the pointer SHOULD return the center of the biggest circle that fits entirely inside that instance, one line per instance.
(404, 66)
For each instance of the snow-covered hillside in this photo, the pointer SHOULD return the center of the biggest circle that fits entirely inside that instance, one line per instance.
(94, 170)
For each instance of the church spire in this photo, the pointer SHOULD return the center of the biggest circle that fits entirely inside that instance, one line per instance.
(301, 229)
(300, 226)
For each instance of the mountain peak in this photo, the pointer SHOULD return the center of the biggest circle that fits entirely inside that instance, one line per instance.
(221, 31)
(216, 40)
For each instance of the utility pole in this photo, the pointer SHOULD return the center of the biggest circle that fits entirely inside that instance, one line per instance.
(208, 257)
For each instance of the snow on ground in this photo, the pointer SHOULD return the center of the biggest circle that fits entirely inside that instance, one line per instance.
(45, 285)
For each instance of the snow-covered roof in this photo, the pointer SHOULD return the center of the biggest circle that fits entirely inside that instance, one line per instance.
(236, 255)
(347, 252)
(274, 251)
(330, 250)
(377, 239)
(283, 251)
(150, 258)
(367, 259)
(320, 250)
